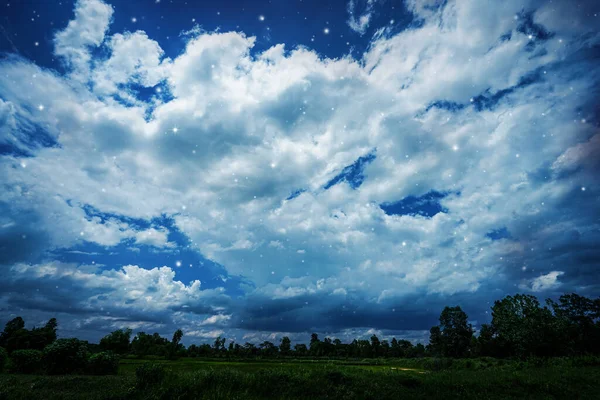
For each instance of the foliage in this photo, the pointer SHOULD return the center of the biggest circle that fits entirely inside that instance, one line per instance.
(285, 347)
(175, 346)
(26, 361)
(65, 356)
(452, 338)
(149, 375)
(268, 349)
(520, 328)
(117, 341)
(16, 337)
(144, 344)
(3, 358)
(104, 363)
(579, 318)
(188, 378)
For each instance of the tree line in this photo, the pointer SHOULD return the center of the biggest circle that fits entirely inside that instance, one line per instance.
(520, 328)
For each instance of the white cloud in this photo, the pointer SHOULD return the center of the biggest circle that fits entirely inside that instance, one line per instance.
(359, 19)
(545, 282)
(210, 334)
(154, 237)
(132, 287)
(92, 18)
(135, 59)
(216, 319)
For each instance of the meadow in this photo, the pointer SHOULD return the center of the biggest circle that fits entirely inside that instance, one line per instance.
(192, 378)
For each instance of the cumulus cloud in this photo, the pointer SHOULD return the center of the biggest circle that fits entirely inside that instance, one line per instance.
(85, 31)
(276, 165)
(130, 297)
(545, 282)
(135, 59)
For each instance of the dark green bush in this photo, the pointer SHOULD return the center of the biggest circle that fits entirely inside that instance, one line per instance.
(65, 356)
(3, 358)
(26, 361)
(104, 363)
(438, 364)
(149, 375)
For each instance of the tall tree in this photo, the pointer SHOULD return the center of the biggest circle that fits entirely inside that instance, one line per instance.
(522, 328)
(117, 341)
(175, 347)
(452, 338)
(375, 346)
(285, 346)
(579, 319)
(315, 345)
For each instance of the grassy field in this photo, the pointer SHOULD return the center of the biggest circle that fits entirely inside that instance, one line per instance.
(295, 379)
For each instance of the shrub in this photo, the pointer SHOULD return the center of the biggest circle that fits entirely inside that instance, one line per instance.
(104, 363)
(65, 356)
(149, 375)
(3, 358)
(438, 364)
(26, 361)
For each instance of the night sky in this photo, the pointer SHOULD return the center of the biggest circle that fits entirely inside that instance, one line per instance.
(255, 169)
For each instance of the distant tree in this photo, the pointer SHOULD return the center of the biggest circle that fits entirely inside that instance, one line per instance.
(12, 336)
(301, 349)
(177, 337)
(416, 351)
(219, 345)
(327, 348)
(285, 346)
(117, 341)
(400, 348)
(175, 347)
(363, 348)
(375, 346)
(10, 328)
(522, 328)
(204, 350)
(315, 345)
(385, 348)
(16, 337)
(66, 356)
(341, 349)
(452, 338)
(39, 338)
(250, 349)
(268, 349)
(51, 327)
(436, 342)
(579, 319)
(486, 343)
(144, 344)
(192, 351)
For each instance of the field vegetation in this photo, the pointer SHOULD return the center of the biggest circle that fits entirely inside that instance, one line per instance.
(528, 351)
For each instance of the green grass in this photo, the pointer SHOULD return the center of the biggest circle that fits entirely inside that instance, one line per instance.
(294, 379)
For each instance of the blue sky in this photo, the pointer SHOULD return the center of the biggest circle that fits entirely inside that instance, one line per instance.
(260, 169)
